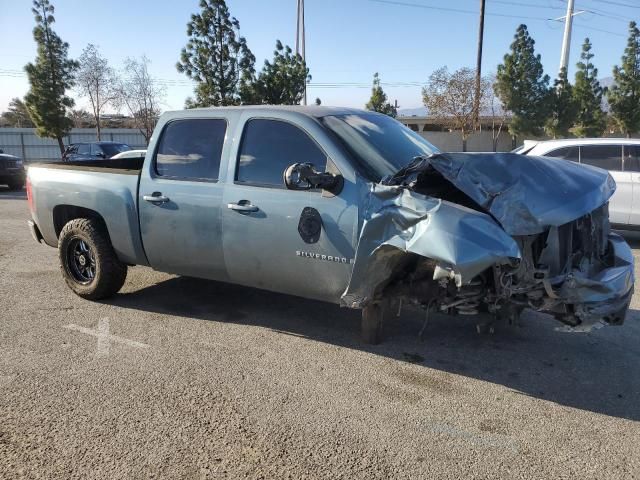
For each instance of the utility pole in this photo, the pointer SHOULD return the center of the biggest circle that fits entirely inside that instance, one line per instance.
(566, 39)
(300, 42)
(476, 99)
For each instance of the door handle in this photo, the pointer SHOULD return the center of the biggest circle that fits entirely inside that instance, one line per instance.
(242, 207)
(155, 197)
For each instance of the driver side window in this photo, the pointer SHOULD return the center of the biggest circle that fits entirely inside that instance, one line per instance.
(269, 147)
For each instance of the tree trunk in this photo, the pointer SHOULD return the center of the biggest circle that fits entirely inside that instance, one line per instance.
(61, 145)
(98, 127)
(464, 142)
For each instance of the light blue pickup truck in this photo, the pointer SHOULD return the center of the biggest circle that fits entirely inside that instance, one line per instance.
(344, 206)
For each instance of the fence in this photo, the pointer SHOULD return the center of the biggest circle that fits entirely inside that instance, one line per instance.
(24, 143)
(477, 142)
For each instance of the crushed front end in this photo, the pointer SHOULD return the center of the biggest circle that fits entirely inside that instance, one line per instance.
(469, 234)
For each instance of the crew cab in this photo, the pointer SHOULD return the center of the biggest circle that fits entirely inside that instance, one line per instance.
(344, 206)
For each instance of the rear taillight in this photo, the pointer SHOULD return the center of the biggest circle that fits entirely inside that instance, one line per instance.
(29, 195)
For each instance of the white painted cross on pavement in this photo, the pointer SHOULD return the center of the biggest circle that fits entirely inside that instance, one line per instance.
(104, 337)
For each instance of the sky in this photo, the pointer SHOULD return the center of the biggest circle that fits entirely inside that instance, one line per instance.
(347, 41)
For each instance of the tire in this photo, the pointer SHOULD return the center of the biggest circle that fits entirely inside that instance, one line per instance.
(87, 260)
(371, 327)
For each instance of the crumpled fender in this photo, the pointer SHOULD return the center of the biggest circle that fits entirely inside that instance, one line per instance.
(398, 220)
(526, 194)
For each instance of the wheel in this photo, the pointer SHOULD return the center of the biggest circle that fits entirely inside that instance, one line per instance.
(371, 327)
(87, 260)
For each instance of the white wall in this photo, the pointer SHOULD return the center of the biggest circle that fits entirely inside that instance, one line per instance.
(477, 142)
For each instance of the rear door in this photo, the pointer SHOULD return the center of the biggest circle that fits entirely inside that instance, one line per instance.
(296, 242)
(180, 199)
(609, 157)
(97, 152)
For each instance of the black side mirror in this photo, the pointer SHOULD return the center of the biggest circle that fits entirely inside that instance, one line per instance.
(304, 176)
(101, 155)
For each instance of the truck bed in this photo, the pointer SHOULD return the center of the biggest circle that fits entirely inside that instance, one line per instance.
(107, 189)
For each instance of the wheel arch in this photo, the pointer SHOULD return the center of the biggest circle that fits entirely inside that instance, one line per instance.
(63, 214)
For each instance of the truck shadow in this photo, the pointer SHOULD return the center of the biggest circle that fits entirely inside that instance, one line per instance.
(597, 372)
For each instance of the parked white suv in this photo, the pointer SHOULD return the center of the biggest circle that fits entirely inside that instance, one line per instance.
(620, 156)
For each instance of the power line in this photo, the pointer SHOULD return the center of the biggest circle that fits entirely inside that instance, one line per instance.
(618, 4)
(454, 10)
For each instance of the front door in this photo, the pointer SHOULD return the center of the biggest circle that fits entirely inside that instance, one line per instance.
(297, 242)
(180, 200)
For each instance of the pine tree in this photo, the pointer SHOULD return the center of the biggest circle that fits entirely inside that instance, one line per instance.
(281, 82)
(522, 86)
(17, 115)
(50, 76)
(562, 107)
(587, 93)
(216, 56)
(624, 96)
(378, 101)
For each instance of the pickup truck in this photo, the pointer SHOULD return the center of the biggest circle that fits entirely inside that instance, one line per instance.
(344, 206)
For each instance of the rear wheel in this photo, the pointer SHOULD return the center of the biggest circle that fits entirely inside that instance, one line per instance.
(87, 260)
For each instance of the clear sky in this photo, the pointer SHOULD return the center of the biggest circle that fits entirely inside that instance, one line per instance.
(347, 40)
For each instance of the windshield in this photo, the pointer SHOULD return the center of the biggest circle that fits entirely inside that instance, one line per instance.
(379, 144)
(111, 149)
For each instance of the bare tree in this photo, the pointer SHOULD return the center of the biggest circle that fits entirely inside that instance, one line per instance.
(81, 118)
(97, 81)
(449, 97)
(141, 95)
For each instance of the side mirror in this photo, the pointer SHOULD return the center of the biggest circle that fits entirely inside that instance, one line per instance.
(304, 176)
(101, 155)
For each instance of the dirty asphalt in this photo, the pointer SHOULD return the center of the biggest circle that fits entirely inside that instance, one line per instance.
(184, 378)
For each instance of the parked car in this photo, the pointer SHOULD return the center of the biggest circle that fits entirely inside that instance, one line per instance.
(344, 206)
(130, 154)
(11, 171)
(93, 151)
(620, 156)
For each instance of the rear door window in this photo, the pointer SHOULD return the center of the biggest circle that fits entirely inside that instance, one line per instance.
(566, 153)
(191, 149)
(631, 158)
(269, 147)
(96, 150)
(608, 157)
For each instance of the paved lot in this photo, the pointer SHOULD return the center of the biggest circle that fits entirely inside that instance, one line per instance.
(182, 378)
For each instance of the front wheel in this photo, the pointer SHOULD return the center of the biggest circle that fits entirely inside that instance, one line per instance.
(87, 260)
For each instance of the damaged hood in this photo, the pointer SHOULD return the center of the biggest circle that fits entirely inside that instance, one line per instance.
(525, 194)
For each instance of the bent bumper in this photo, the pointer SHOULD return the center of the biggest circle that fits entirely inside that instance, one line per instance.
(606, 295)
